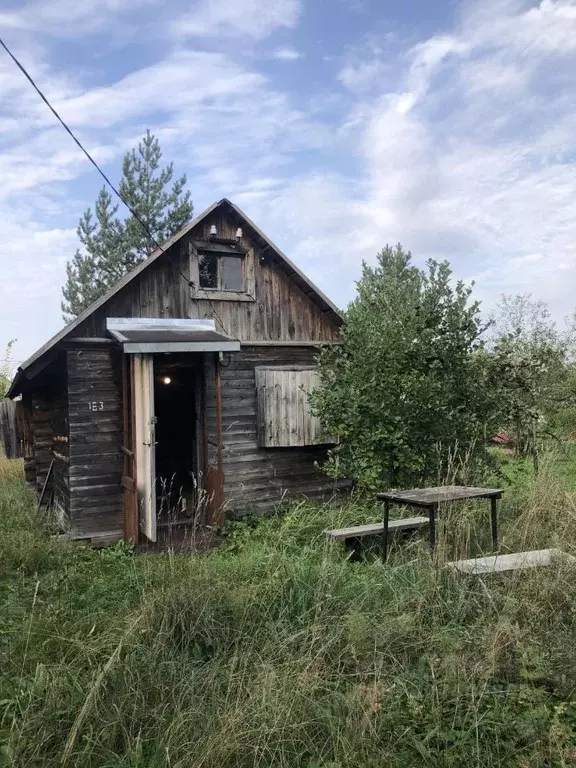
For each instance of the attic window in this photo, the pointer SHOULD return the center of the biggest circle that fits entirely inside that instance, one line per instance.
(221, 271)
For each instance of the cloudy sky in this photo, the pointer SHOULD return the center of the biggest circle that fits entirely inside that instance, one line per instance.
(338, 125)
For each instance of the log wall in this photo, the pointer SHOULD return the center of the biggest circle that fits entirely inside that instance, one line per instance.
(95, 413)
(25, 430)
(255, 478)
(78, 417)
(48, 409)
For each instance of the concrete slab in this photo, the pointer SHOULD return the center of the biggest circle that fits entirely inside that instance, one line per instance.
(511, 562)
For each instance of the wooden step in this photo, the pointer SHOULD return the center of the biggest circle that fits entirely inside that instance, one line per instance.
(375, 529)
(515, 560)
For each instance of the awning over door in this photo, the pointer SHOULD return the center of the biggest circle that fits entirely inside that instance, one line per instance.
(142, 335)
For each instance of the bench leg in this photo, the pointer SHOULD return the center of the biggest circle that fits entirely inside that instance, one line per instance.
(494, 521)
(432, 526)
(353, 547)
(385, 530)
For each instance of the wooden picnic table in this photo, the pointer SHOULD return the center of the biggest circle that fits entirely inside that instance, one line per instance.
(430, 498)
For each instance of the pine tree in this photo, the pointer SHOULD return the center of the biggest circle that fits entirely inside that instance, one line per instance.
(111, 247)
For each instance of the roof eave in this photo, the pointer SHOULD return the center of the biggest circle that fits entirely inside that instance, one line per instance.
(15, 389)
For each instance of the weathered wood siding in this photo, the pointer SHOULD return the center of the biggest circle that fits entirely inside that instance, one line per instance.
(25, 433)
(48, 405)
(285, 416)
(281, 310)
(96, 428)
(284, 309)
(257, 478)
(8, 436)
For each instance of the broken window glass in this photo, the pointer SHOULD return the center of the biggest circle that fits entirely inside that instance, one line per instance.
(208, 270)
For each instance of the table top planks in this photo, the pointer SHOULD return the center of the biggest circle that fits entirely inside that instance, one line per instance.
(426, 497)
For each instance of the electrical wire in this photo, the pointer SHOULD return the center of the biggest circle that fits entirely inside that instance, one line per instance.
(144, 226)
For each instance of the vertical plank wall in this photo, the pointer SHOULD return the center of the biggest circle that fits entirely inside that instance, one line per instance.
(281, 311)
(285, 417)
(9, 443)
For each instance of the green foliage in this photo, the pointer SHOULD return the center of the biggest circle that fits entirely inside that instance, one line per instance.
(404, 394)
(144, 186)
(561, 416)
(6, 369)
(111, 247)
(275, 651)
(531, 375)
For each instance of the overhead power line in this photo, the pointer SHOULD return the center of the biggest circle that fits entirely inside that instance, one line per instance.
(79, 144)
(143, 224)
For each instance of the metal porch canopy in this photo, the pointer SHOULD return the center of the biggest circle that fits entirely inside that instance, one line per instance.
(143, 335)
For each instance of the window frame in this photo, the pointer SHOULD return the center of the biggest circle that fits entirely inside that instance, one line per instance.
(218, 294)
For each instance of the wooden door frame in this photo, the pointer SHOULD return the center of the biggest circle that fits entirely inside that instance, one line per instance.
(215, 474)
(131, 503)
(139, 490)
(145, 440)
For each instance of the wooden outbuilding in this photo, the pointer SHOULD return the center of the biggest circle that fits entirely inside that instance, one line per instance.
(182, 393)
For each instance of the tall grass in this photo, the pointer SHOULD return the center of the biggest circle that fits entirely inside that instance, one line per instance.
(10, 468)
(277, 651)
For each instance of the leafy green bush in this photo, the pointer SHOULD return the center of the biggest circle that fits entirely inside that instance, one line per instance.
(404, 394)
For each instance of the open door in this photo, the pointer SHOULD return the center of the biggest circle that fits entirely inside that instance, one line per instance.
(141, 339)
(144, 441)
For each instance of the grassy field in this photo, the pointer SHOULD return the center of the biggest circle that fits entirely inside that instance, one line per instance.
(275, 651)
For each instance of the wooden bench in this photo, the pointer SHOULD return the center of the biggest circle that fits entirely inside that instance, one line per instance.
(375, 529)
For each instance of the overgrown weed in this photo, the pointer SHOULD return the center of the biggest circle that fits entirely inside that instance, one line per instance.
(277, 651)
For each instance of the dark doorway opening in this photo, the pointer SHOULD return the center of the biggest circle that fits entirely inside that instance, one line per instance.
(177, 455)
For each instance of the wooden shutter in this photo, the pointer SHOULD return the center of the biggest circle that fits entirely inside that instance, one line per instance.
(284, 413)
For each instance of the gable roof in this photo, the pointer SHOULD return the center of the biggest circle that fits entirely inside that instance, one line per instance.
(226, 205)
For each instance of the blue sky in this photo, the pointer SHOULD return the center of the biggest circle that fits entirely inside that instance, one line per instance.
(338, 125)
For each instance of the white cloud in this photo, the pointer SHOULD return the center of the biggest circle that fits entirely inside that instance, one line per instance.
(190, 98)
(427, 58)
(469, 156)
(287, 54)
(33, 261)
(254, 18)
(65, 17)
(360, 75)
(365, 67)
(462, 146)
(179, 83)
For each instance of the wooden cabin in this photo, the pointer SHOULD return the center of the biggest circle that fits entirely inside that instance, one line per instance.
(182, 393)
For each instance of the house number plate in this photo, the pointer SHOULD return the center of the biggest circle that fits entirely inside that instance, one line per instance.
(96, 405)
